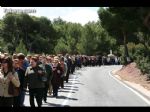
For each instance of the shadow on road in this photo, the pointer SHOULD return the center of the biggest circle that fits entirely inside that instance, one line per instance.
(72, 86)
(75, 80)
(67, 91)
(79, 83)
(71, 89)
(55, 105)
(64, 97)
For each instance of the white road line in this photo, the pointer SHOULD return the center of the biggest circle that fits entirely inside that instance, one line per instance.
(69, 94)
(125, 85)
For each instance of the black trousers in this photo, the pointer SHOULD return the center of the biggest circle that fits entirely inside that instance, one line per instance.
(55, 90)
(45, 92)
(38, 94)
(16, 102)
(6, 101)
(62, 82)
(19, 100)
(72, 69)
(67, 75)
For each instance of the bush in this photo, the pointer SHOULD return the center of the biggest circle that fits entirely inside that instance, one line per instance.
(143, 64)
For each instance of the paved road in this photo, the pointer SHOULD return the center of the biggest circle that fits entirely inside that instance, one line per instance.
(93, 86)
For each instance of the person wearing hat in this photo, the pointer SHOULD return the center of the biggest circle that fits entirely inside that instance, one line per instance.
(57, 73)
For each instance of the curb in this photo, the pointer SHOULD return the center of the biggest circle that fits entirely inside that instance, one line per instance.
(131, 86)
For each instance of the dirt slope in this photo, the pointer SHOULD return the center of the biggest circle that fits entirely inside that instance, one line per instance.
(133, 74)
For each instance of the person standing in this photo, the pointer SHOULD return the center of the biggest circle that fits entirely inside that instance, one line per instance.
(19, 100)
(33, 81)
(69, 64)
(48, 70)
(49, 62)
(73, 64)
(7, 75)
(57, 73)
(64, 66)
(20, 65)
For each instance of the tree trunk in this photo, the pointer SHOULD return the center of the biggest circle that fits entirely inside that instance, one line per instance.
(126, 53)
(147, 21)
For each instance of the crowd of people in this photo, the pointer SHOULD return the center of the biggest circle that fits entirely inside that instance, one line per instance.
(41, 75)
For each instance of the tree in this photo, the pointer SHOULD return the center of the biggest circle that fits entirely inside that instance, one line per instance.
(123, 23)
(9, 31)
(30, 29)
(95, 40)
(69, 35)
(21, 48)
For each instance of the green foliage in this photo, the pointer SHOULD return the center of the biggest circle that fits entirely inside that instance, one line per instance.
(3, 47)
(29, 29)
(21, 48)
(144, 65)
(61, 47)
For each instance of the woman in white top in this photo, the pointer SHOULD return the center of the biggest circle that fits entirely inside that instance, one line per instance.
(7, 74)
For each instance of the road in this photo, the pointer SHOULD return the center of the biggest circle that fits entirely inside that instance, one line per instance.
(93, 86)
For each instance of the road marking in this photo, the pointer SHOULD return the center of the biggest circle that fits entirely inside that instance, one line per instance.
(138, 94)
(70, 92)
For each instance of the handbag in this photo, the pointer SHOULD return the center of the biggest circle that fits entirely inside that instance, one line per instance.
(13, 90)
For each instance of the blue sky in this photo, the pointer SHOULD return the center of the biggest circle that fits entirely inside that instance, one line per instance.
(71, 14)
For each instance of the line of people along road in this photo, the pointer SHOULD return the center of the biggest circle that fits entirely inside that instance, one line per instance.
(41, 74)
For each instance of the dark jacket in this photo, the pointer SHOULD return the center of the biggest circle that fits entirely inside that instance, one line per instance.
(32, 78)
(56, 79)
(48, 70)
(21, 75)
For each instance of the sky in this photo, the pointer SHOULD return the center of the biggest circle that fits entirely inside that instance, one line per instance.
(80, 15)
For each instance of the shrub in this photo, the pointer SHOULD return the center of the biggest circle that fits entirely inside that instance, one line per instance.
(143, 64)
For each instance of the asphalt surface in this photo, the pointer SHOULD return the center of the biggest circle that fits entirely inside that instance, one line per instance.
(93, 86)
